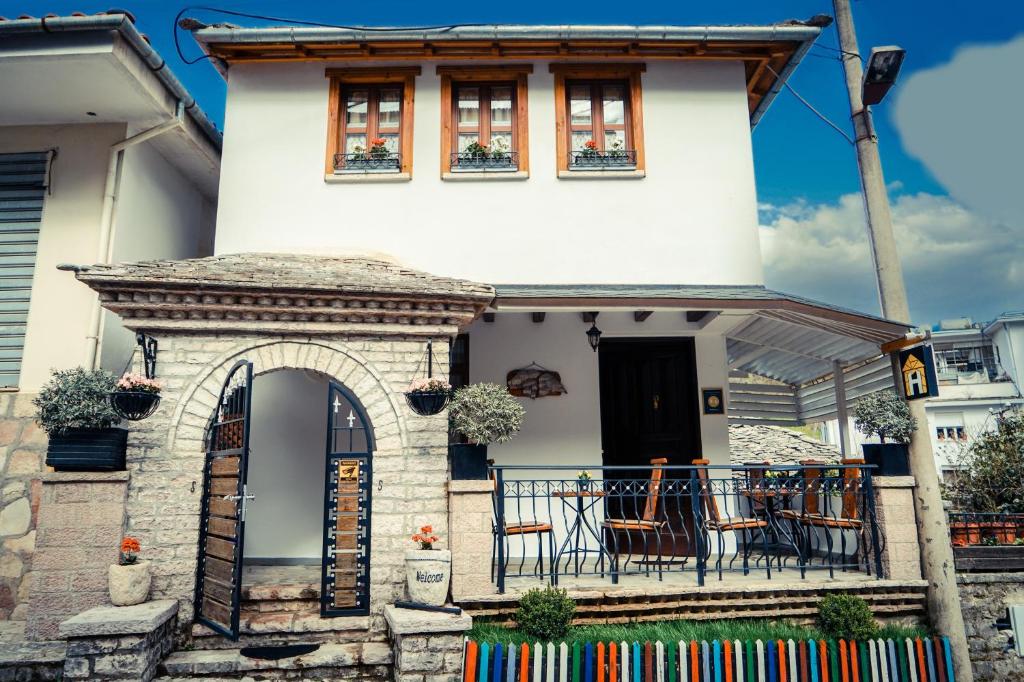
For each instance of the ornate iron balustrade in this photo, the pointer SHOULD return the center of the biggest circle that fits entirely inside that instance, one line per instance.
(462, 162)
(592, 159)
(368, 162)
(629, 521)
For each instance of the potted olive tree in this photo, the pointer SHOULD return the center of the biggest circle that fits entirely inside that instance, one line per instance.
(482, 414)
(886, 415)
(74, 408)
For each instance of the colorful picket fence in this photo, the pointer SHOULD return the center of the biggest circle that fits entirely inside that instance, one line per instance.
(917, 660)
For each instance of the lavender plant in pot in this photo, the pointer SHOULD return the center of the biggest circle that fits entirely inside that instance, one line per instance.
(886, 415)
(482, 414)
(73, 408)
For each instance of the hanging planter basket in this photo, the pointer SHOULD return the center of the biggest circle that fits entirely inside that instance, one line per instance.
(134, 405)
(427, 403)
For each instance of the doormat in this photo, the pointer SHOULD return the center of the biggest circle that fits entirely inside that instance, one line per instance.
(275, 652)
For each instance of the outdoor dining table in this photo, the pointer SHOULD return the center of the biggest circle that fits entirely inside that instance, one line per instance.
(579, 502)
(774, 501)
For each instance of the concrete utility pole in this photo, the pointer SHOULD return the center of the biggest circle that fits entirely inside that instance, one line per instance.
(933, 534)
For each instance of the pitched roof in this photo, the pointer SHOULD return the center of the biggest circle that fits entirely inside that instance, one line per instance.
(286, 272)
(773, 444)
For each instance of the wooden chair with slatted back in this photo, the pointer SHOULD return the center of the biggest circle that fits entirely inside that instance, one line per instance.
(713, 518)
(522, 527)
(648, 522)
(852, 492)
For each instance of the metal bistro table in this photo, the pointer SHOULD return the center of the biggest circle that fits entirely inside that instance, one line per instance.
(579, 502)
(773, 501)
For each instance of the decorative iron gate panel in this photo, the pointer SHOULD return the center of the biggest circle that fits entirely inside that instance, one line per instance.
(345, 585)
(222, 524)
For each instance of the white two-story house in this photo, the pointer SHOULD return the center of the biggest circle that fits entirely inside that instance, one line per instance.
(583, 199)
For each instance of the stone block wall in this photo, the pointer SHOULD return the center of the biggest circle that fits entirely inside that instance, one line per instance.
(427, 646)
(81, 523)
(897, 527)
(983, 600)
(470, 511)
(166, 451)
(22, 459)
(119, 643)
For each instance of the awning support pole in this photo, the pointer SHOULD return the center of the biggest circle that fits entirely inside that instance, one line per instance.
(845, 445)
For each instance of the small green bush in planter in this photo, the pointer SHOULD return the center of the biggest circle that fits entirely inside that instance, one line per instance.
(76, 399)
(846, 616)
(545, 614)
(485, 413)
(886, 415)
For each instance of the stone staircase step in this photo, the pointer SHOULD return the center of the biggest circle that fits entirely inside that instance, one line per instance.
(349, 661)
(281, 591)
(284, 627)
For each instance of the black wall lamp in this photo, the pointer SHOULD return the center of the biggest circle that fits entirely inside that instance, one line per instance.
(593, 334)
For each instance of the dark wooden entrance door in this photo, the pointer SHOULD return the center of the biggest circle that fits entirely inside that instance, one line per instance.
(222, 524)
(649, 409)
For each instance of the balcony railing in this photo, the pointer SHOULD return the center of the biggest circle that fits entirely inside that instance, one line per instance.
(368, 162)
(590, 159)
(549, 524)
(463, 162)
(972, 365)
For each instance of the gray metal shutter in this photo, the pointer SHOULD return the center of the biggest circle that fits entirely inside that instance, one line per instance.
(23, 179)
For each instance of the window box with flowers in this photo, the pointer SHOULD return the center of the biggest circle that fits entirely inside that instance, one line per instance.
(615, 157)
(129, 579)
(428, 570)
(377, 159)
(135, 397)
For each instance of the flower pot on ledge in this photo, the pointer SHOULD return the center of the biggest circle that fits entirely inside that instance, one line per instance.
(88, 450)
(427, 574)
(890, 459)
(129, 583)
(468, 461)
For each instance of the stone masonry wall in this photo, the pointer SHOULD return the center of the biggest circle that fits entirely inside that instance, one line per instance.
(165, 453)
(897, 527)
(983, 600)
(22, 457)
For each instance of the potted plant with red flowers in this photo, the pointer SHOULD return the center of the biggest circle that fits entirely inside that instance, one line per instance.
(428, 569)
(74, 409)
(379, 148)
(129, 579)
(135, 397)
(428, 396)
(589, 155)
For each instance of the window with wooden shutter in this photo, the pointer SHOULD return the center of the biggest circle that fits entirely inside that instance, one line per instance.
(23, 180)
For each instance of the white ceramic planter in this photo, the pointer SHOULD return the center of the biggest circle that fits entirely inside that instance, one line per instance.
(129, 584)
(427, 574)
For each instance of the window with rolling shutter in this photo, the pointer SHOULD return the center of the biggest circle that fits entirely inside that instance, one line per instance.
(23, 179)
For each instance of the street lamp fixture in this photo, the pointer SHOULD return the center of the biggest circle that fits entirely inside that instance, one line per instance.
(594, 336)
(883, 68)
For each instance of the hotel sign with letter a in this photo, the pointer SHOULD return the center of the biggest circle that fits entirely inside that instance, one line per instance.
(917, 368)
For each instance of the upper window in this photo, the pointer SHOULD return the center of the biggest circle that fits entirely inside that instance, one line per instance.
(370, 121)
(483, 119)
(599, 117)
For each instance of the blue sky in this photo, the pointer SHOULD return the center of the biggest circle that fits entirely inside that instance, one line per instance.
(806, 172)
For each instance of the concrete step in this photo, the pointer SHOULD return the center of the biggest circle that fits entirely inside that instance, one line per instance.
(284, 627)
(348, 661)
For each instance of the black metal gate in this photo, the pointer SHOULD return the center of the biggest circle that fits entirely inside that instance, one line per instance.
(222, 524)
(345, 583)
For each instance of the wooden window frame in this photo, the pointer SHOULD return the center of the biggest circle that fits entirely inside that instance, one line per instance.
(509, 74)
(339, 78)
(593, 74)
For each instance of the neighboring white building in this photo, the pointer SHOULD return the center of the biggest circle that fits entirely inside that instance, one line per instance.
(104, 157)
(977, 368)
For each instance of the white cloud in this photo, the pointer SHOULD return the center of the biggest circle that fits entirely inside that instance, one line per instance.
(962, 121)
(955, 261)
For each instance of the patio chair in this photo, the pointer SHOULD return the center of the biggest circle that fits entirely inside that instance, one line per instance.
(812, 516)
(647, 523)
(521, 528)
(739, 525)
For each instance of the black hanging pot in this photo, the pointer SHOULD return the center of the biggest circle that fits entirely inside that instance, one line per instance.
(426, 403)
(88, 450)
(134, 405)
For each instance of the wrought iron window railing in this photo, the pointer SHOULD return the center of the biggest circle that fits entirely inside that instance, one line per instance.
(550, 525)
(462, 162)
(592, 159)
(368, 162)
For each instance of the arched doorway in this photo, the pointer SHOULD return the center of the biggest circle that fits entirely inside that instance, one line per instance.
(286, 493)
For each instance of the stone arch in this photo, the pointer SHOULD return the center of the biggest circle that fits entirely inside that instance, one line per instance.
(343, 365)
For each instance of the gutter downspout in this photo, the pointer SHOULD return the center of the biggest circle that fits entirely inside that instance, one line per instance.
(111, 188)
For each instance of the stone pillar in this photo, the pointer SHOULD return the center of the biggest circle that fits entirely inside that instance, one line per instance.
(81, 520)
(897, 527)
(427, 646)
(470, 515)
(119, 642)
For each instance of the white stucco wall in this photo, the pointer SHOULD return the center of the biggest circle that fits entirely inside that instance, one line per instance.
(60, 307)
(567, 429)
(286, 466)
(160, 214)
(693, 219)
(1008, 340)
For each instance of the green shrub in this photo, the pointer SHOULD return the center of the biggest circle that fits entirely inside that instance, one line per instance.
(545, 614)
(485, 413)
(846, 616)
(886, 415)
(76, 399)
